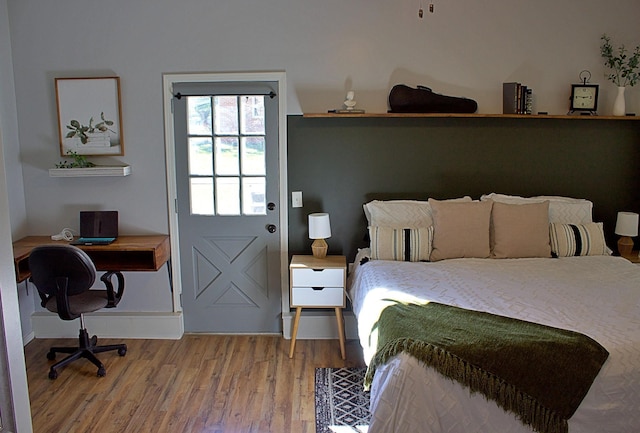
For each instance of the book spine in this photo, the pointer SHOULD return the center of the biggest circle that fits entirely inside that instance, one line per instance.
(510, 97)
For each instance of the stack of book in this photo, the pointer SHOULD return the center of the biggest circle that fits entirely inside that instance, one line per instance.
(516, 99)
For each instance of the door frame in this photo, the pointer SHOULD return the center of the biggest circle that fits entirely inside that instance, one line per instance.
(168, 80)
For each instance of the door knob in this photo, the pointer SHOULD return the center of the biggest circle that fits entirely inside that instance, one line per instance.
(271, 228)
(271, 205)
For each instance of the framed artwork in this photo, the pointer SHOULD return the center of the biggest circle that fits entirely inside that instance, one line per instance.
(89, 116)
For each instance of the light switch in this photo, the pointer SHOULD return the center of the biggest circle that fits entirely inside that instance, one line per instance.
(296, 199)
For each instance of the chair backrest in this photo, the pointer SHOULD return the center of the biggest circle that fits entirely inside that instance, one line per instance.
(48, 263)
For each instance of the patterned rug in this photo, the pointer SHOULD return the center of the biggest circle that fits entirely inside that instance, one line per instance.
(342, 405)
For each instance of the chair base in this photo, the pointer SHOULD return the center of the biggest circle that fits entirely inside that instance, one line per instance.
(87, 347)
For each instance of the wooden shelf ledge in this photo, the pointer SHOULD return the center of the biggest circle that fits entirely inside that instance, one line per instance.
(474, 115)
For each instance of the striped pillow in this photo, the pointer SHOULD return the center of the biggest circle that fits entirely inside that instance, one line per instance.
(409, 245)
(577, 240)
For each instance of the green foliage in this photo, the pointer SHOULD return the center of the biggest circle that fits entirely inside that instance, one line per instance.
(79, 161)
(624, 67)
(81, 131)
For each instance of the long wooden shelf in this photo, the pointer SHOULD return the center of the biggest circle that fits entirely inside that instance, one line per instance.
(474, 115)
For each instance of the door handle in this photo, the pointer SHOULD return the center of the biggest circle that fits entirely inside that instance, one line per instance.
(271, 228)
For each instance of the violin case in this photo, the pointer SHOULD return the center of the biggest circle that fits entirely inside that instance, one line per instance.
(405, 99)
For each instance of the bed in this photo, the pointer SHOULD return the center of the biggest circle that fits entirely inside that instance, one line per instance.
(495, 261)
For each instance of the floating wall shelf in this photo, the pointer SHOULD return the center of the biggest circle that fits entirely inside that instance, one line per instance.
(124, 170)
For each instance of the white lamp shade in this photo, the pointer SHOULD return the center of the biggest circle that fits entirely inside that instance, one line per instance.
(319, 226)
(627, 224)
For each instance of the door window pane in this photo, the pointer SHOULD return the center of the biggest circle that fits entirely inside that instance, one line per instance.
(201, 195)
(253, 156)
(252, 114)
(253, 196)
(226, 115)
(200, 156)
(227, 156)
(199, 109)
(228, 194)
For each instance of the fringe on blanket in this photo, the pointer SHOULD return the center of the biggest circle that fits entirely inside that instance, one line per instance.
(507, 396)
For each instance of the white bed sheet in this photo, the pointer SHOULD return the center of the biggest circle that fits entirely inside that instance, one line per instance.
(598, 296)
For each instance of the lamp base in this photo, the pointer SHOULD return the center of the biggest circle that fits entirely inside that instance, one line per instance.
(625, 246)
(319, 248)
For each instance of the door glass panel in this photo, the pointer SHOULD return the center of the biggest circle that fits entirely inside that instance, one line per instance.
(201, 195)
(252, 114)
(228, 193)
(253, 156)
(227, 156)
(253, 192)
(199, 115)
(226, 115)
(200, 156)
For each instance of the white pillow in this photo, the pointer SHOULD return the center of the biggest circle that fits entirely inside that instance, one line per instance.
(562, 210)
(402, 213)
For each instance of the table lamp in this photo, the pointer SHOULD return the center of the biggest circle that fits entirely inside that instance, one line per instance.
(626, 228)
(319, 230)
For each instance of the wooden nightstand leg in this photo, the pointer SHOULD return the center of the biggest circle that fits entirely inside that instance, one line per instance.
(341, 331)
(294, 333)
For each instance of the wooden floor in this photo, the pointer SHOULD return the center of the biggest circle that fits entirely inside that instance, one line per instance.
(201, 383)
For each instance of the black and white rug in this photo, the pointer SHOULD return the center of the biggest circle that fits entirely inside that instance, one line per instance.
(342, 405)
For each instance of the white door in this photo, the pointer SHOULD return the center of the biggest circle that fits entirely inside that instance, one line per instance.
(228, 205)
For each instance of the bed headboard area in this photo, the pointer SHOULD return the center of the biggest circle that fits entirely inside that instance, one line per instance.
(341, 163)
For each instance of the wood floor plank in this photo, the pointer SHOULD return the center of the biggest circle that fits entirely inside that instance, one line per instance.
(198, 384)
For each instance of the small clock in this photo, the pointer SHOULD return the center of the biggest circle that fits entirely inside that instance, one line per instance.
(584, 97)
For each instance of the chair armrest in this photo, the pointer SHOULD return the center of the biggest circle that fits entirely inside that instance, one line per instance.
(113, 296)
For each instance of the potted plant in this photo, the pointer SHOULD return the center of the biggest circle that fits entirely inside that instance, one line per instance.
(78, 161)
(96, 135)
(623, 70)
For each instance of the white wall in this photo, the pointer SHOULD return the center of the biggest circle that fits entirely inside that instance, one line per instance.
(466, 48)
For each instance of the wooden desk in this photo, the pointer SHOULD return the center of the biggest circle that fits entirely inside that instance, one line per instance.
(127, 253)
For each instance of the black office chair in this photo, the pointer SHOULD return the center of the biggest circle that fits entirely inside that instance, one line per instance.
(63, 275)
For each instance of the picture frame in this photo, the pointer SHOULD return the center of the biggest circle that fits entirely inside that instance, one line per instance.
(89, 116)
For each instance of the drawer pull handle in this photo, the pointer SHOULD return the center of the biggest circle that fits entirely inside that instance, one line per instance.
(317, 288)
(318, 270)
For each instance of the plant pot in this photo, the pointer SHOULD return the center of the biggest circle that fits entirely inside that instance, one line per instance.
(98, 139)
(619, 108)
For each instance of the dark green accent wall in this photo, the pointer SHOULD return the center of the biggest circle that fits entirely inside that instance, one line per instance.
(341, 163)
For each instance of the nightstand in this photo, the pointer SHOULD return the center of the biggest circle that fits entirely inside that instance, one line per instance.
(318, 283)
(633, 258)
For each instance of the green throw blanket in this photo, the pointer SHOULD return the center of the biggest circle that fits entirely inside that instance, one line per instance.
(538, 372)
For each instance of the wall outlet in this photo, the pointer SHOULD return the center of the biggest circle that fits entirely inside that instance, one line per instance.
(296, 199)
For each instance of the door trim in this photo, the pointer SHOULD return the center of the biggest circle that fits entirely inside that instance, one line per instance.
(168, 80)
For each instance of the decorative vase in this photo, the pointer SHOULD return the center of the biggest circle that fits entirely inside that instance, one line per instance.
(618, 105)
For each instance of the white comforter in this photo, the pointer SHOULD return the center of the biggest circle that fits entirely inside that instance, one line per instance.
(598, 296)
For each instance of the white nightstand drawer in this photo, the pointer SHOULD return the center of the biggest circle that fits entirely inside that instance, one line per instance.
(317, 277)
(317, 296)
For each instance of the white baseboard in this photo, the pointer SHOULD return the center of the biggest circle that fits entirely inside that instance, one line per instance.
(319, 325)
(111, 325)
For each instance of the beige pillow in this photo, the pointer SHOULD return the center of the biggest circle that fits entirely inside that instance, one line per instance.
(460, 229)
(520, 230)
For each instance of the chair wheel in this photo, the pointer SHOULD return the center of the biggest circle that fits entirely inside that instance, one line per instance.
(102, 372)
(51, 355)
(53, 374)
(122, 351)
